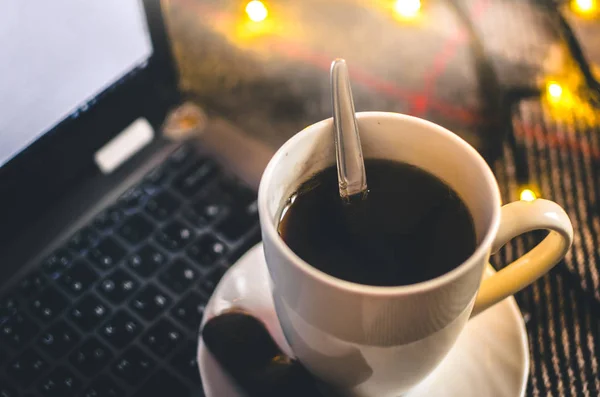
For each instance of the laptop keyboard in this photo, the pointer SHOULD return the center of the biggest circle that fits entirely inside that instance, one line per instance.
(115, 311)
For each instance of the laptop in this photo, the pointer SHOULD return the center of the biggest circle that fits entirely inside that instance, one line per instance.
(112, 237)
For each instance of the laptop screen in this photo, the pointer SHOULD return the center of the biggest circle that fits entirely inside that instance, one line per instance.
(58, 57)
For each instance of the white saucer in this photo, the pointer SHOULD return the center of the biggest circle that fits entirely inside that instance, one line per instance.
(490, 358)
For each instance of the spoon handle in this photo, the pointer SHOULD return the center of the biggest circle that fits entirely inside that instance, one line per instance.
(350, 163)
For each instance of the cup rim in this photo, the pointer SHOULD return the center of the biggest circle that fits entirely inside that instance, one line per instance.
(269, 229)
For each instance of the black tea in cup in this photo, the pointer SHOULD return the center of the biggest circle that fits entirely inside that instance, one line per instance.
(410, 228)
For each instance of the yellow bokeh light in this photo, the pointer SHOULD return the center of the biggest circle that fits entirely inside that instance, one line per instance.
(584, 6)
(565, 96)
(561, 96)
(407, 8)
(257, 11)
(528, 195)
(555, 91)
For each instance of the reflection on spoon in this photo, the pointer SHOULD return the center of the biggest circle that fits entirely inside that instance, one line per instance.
(350, 163)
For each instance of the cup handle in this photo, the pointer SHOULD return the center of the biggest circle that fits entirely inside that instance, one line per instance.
(515, 219)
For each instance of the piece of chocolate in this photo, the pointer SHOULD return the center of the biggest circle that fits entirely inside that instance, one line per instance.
(244, 348)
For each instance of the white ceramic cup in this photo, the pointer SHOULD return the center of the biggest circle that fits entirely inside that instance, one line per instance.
(381, 341)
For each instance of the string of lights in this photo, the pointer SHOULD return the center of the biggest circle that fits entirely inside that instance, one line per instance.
(557, 93)
(500, 101)
(554, 92)
(582, 7)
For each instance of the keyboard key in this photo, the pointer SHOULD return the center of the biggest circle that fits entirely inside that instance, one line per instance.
(209, 283)
(121, 329)
(58, 340)
(207, 250)
(6, 390)
(163, 338)
(163, 384)
(78, 278)
(8, 306)
(27, 368)
(132, 199)
(194, 177)
(118, 286)
(149, 302)
(17, 330)
(104, 386)
(189, 310)
(108, 219)
(186, 362)
(83, 240)
(32, 284)
(57, 263)
(107, 253)
(179, 275)
(49, 304)
(90, 357)
(158, 176)
(238, 193)
(133, 366)
(60, 383)
(174, 236)
(162, 205)
(89, 312)
(180, 157)
(239, 222)
(147, 260)
(136, 228)
(207, 209)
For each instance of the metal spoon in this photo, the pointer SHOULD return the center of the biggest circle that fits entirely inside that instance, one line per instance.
(348, 151)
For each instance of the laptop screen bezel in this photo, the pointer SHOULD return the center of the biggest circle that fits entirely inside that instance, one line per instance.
(49, 168)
